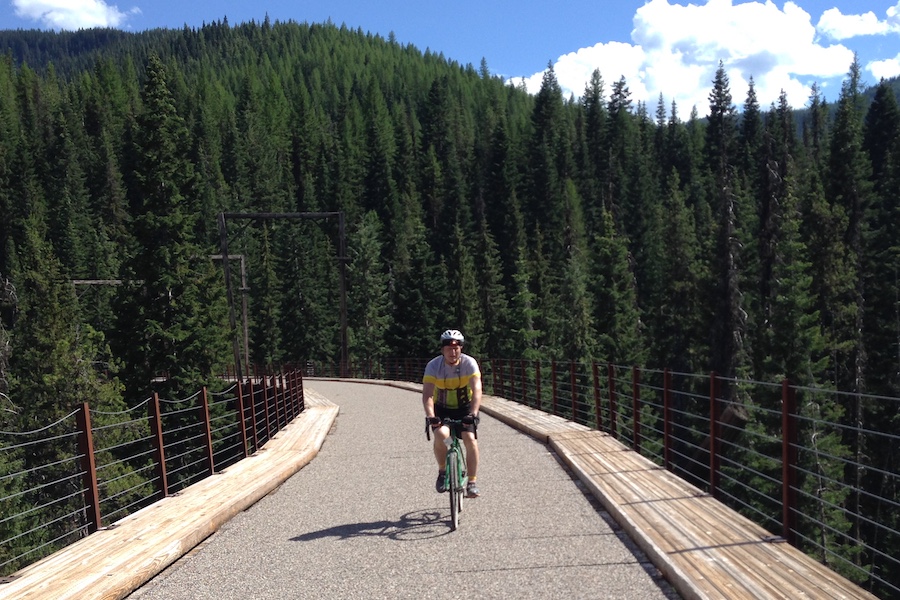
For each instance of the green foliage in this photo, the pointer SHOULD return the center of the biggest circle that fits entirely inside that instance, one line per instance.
(543, 228)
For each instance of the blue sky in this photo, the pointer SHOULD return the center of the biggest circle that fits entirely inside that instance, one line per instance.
(668, 47)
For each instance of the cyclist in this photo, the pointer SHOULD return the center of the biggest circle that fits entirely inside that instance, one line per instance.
(452, 388)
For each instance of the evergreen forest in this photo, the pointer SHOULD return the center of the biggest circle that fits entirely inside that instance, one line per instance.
(758, 242)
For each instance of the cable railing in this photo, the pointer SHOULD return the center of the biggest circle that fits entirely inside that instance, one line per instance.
(817, 468)
(90, 469)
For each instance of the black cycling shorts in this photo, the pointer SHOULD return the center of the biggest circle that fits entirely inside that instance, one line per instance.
(456, 413)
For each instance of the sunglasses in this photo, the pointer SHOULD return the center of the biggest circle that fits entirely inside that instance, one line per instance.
(451, 343)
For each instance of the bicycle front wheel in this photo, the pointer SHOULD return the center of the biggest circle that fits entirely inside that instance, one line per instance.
(453, 484)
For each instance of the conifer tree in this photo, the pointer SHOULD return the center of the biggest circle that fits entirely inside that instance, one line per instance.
(368, 303)
(493, 305)
(848, 189)
(881, 260)
(612, 285)
(171, 309)
(671, 296)
(729, 313)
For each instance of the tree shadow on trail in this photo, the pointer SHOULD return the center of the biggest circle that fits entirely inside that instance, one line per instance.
(411, 526)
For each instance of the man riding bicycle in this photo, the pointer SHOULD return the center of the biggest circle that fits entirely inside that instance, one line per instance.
(452, 389)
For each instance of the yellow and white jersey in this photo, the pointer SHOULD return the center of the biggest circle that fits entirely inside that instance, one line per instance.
(451, 382)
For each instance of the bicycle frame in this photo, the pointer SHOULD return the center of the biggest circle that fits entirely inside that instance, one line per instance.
(455, 468)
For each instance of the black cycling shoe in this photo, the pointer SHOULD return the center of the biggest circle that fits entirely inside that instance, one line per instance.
(440, 485)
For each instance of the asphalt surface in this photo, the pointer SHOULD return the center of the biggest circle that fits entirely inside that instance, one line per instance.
(362, 520)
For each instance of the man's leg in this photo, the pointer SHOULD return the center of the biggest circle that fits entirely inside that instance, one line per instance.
(440, 454)
(471, 462)
(440, 447)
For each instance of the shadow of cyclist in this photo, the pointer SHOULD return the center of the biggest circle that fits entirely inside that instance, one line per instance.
(411, 526)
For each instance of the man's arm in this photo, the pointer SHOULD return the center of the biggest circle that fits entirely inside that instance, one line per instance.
(475, 384)
(428, 399)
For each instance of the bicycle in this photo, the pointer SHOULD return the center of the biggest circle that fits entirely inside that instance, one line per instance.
(455, 465)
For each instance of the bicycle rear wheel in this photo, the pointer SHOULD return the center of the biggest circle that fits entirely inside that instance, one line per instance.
(453, 484)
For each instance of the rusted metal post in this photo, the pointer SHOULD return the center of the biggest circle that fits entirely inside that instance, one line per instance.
(279, 401)
(595, 378)
(159, 449)
(553, 385)
(242, 418)
(301, 398)
(713, 434)
(207, 430)
(574, 392)
(89, 467)
(291, 384)
(667, 419)
(537, 384)
(636, 407)
(613, 404)
(511, 366)
(789, 445)
(265, 395)
(523, 381)
(253, 423)
(294, 388)
(286, 396)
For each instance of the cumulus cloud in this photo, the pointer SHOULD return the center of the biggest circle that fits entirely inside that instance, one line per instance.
(676, 50)
(839, 26)
(72, 14)
(885, 69)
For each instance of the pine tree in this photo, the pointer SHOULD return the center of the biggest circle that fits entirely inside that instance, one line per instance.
(612, 285)
(848, 190)
(171, 310)
(369, 301)
(671, 296)
(729, 313)
(881, 261)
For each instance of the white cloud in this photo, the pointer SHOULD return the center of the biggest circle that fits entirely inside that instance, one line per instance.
(839, 26)
(885, 69)
(72, 14)
(676, 50)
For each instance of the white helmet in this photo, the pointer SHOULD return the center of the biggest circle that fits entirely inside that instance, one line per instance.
(452, 335)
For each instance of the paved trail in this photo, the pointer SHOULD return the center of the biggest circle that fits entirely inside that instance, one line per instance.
(363, 521)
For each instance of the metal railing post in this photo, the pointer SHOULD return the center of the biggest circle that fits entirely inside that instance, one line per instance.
(159, 449)
(553, 384)
(613, 406)
(667, 419)
(636, 408)
(264, 381)
(537, 384)
(253, 423)
(789, 441)
(598, 412)
(207, 431)
(713, 434)
(523, 381)
(574, 393)
(242, 418)
(89, 467)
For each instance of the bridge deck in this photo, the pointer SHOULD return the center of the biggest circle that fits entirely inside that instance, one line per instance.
(703, 548)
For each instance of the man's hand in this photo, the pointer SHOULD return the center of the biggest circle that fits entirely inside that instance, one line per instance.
(435, 422)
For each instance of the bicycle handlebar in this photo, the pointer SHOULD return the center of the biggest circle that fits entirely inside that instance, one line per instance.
(467, 420)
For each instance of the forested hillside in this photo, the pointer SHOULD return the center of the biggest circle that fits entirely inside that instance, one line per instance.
(760, 242)
(539, 225)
